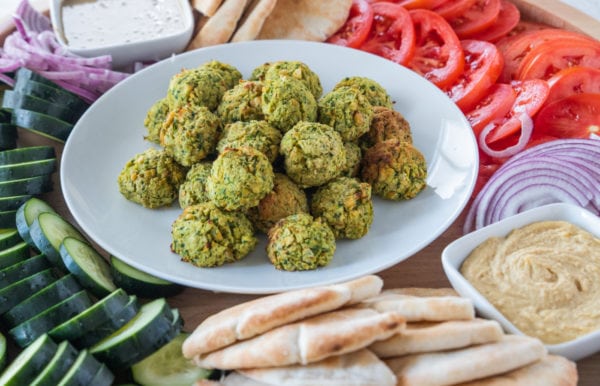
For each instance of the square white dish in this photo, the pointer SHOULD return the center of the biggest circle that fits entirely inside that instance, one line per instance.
(456, 252)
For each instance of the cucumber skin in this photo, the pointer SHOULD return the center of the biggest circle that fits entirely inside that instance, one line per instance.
(26, 154)
(14, 202)
(14, 254)
(7, 219)
(21, 270)
(32, 185)
(21, 290)
(18, 100)
(9, 238)
(139, 287)
(57, 366)
(24, 211)
(28, 170)
(44, 125)
(104, 377)
(38, 360)
(82, 371)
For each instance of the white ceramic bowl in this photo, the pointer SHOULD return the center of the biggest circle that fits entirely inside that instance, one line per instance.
(456, 252)
(148, 50)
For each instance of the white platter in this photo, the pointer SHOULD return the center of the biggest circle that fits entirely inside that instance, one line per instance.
(112, 131)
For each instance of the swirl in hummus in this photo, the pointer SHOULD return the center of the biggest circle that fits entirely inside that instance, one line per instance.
(544, 278)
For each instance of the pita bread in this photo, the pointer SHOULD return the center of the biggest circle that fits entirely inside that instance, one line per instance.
(253, 19)
(219, 27)
(423, 307)
(307, 341)
(475, 362)
(552, 370)
(305, 19)
(422, 291)
(427, 337)
(207, 7)
(251, 318)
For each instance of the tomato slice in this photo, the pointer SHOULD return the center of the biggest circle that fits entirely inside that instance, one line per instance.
(356, 28)
(480, 16)
(438, 54)
(531, 95)
(483, 64)
(495, 105)
(507, 19)
(413, 4)
(453, 8)
(526, 26)
(573, 80)
(547, 59)
(392, 34)
(575, 116)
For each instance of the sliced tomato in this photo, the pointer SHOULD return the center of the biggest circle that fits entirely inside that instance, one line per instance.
(526, 26)
(483, 64)
(531, 95)
(496, 104)
(480, 16)
(547, 59)
(574, 80)
(413, 4)
(356, 28)
(507, 19)
(392, 34)
(438, 53)
(575, 116)
(453, 8)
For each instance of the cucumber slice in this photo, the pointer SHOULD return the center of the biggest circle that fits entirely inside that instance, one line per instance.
(51, 94)
(8, 136)
(14, 254)
(8, 238)
(26, 332)
(88, 266)
(104, 377)
(99, 313)
(149, 330)
(4, 116)
(14, 202)
(82, 371)
(42, 124)
(22, 269)
(7, 219)
(26, 215)
(26, 154)
(141, 283)
(17, 100)
(48, 231)
(24, 74)
(2, 352)
(21, 290)
(168, 366)
(32, 185)
(41, 300)
(29, 362)
(28, 169)
(110, 326)
(58, 366)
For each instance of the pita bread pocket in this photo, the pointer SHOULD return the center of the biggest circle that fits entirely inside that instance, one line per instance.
(252, 21)
(249, 319)
(428, 337)
(307, 341)
(207, 7)
(475, 362)
(314, 20)
(219, 27)
(552, 370)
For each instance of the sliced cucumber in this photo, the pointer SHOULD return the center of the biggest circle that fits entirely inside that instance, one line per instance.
(88, 266)
(17, 100)
(168, 366)
(141, 283)
(32, 185)
(2, 352)
(7, 219)
(26, 332)
(4, 116)
(29, 362)
(104, 377)
(26, 154)
(26, 215)
(51, 94)
(42, 124)
(8, 238)
(48, 231)
(14, 254)
(148, 331)
(58, 366)
(14, 202)
(24, 74)
(28, 169)
(99, 313)
(8, 136)
(21, 290)
(82, 371)
(43, 299)
(22, 269)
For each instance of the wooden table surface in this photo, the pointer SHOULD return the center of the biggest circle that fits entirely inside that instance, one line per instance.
(423, 269)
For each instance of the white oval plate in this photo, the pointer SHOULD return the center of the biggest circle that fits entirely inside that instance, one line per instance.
(112, 131)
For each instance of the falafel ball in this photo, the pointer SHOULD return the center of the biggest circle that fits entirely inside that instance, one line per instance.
(353, 159)
(375, 93)
(259, 135)
(386, 124)
(155, 119)
(207, 236)
(200, 86)
(190, 134)
(287, 101)
(230, 74)
(299, 243)
(297, 70)
(151, 179)
(347, 111)
(395, 169)
(239, 178)
(193, 189)
(243, 102)
(313, 153)
(345, 204)
(285, 199)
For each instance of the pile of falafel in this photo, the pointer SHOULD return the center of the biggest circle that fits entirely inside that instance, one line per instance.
(271, 154)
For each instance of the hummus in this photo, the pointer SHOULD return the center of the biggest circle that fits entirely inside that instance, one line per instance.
(543, 278)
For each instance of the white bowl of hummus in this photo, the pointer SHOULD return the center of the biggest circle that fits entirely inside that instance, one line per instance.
(537, 273)
(130, 31)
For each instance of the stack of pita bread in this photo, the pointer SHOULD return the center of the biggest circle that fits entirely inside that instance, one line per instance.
(355, 333)
(240, 20)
